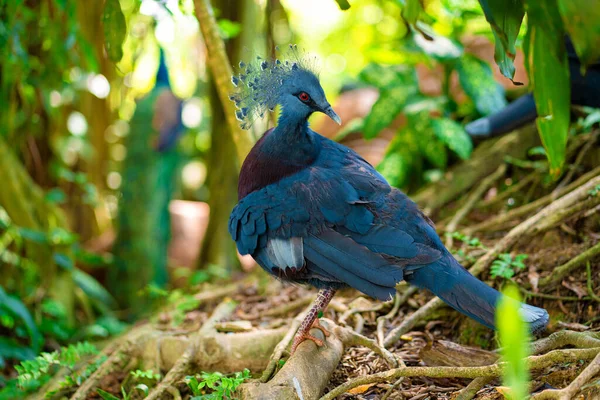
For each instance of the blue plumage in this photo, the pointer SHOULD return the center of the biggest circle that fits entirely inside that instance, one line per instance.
(350, 226)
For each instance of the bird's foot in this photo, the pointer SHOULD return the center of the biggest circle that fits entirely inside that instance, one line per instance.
(301, 337)
(317, 325)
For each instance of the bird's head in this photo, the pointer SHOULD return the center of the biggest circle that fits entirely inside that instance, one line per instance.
(292, 84)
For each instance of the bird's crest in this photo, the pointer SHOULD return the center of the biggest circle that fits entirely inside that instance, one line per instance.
(258, 83)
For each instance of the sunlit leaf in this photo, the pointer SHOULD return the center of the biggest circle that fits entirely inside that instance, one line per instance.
(438, 47)
(549, 75)
(478, 82)
(389, 104)
(419, 125)
(115, 29)
(343, 4)
(229, 29)
(401, 159)
(411, 11)
(505, 17)
(454, 136)
(581, 19)
(396, 87)
(514, 338)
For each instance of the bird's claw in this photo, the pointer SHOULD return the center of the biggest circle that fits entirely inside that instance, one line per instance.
(302, 336)
(317, 325)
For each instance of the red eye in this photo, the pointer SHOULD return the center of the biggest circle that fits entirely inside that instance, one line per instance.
(303, 96)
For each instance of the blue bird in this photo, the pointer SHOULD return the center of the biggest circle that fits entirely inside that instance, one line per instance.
(312, 211)
(167, 119)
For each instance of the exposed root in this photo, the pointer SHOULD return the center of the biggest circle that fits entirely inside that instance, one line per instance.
(562, 271)
(282, 346)
(471, 200)
(472, 388)
(488, 371)
(185, 362)
(570, 391)
(528, 208)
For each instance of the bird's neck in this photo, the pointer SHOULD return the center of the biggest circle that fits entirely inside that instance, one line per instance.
(283, 151)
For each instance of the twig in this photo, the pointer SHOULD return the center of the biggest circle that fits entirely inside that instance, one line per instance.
(551, 296)
(559, 273)
(398, 302)
(391, 388)
(471, 200)
(490, 371)
(529, 207)
(590, 289)
(582, 340)
(570, 391)
(351, 338)
(586, 147)
(472, 388)
(502, 245)
(509, 191)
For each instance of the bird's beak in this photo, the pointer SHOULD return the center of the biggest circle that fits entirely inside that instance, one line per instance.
(329, 112)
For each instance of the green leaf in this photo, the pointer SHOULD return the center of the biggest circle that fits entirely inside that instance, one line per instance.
(581, 19)
(115, 29)
(10, 348)
(454, 136)
(33, 235)
(92, 288)
(400, 160)
(229, 29)
(505, 18)
(106, 396)
(63, 261)
(411, 11)
(396, 87)
(389, 104)
(56, 196)
(16, 308)
(477, 80)
(514, 338)
(434, 150)
(549, 76)
(440, 48)
(343, 4)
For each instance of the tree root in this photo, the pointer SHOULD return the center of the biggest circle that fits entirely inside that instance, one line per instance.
(486, 158)
(302, 376)
(196, 347)
(488, 371)
(499, 220)
(474, 196)
(518, 232)
(559, 273)
(472, 388)
(570, 391)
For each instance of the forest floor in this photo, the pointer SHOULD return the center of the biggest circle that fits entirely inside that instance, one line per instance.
(508, 208)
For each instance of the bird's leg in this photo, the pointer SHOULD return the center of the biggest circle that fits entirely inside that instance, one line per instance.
(311, 320)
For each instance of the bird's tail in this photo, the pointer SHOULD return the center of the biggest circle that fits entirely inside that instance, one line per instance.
(451, 282)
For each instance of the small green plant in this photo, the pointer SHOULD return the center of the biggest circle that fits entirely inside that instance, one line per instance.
(221, 386)
(595, 190)
(139, 374)
(468, 240)
(126, 395)
(31, 371)
(505, 266)
(514, 338)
